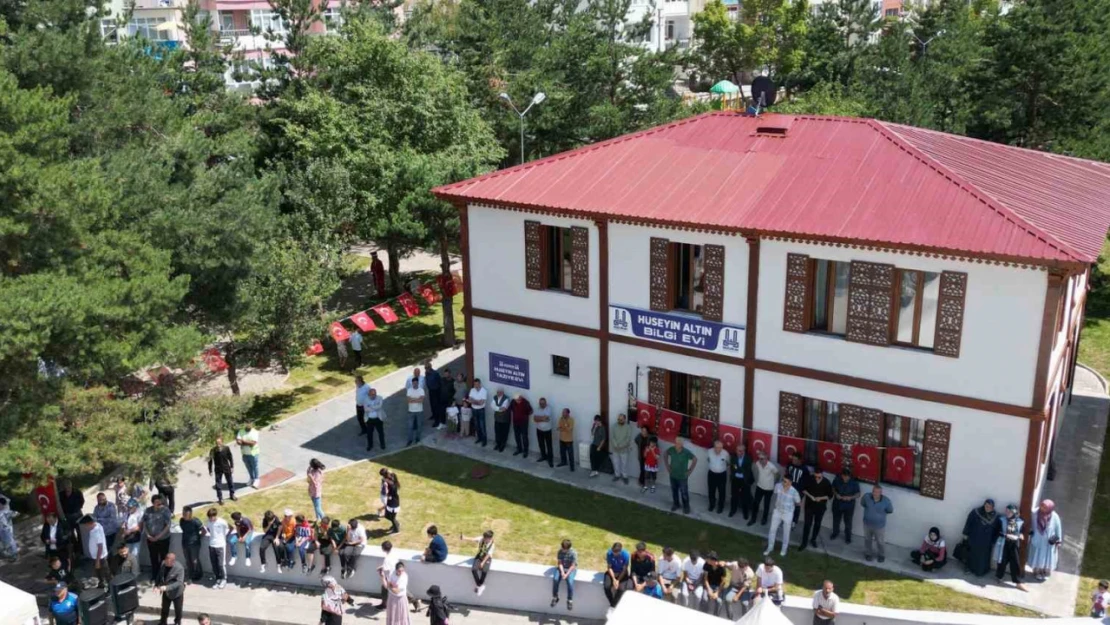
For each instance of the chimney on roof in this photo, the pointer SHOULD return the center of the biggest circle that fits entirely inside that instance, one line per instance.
(773, 125)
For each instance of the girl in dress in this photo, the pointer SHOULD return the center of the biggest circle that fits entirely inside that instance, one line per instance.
(466, 413)
(651, 464)
(396, 605)
(8, 547)
(1045, 539)
(933, 553)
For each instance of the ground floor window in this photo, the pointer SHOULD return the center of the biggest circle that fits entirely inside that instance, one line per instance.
(906, 433)
(692, 396)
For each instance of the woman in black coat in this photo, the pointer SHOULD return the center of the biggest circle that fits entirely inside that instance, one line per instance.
(980, 531)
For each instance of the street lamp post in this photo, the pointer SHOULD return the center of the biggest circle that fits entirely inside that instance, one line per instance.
(536, 99)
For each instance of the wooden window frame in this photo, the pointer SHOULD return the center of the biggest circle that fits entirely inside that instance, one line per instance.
(905, 428)
(823, 425)
(830, 293)
(896, 309)
(546, 254)
(676, 250)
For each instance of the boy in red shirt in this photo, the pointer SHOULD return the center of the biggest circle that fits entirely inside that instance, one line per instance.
(651, 465)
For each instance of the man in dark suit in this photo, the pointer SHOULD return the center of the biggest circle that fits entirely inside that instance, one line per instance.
(56, 537)
(172, 588)
(740, 475)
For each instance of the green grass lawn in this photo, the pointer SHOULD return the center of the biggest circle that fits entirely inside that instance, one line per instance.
(530, 516)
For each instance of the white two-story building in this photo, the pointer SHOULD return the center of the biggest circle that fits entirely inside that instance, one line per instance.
(840, 281)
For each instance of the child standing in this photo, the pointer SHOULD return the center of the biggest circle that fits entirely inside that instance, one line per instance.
(452, 419)
(651, 464)
(465, 415)
(1100, 600)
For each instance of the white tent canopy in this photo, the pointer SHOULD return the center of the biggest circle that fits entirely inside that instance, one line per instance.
(640, 609)
(764, 613)
(17, 607)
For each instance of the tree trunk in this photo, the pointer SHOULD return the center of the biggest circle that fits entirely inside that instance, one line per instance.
(232, 371)
(394, 269)
(448, 307)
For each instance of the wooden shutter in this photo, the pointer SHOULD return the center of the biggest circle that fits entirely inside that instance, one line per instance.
(851, 421)
(711, 399)
(580, 261)
(790, 414)
(794, 304)
(871, 427)
(533, 255)
(713, 306)
(870, 300)
(950, 313)
(657, 386)
(934, 462)
(660, 274)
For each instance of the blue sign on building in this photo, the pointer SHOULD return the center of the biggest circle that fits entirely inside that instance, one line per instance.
(681, 330)
(508, 370)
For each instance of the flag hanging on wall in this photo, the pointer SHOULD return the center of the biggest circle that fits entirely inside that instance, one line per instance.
(338, 332)
(645, 415)
(385, 312)
(830, 457)
(409, 304)
(788, 446)
(428, 292)
(865, 463)
(731, 436)
(898, 467)
(669, 424)
(701, 432)
(758, 442)
(364, 322)
(315, 349)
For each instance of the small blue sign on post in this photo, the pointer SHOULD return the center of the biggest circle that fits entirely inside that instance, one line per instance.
(508, 370)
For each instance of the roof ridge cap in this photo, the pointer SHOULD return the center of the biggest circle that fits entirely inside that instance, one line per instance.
(585, 149)
(890, 132)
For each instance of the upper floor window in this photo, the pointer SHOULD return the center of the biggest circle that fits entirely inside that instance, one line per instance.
(109, 29)
(557, 258)
(149, 27)
(875, 303)
(267, 20)
(687, 277)
(333, 19)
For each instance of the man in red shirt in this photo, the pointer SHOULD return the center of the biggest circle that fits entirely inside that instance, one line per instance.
(377, 269)
(520, 411)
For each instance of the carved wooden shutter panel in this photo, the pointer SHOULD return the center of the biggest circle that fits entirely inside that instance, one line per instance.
(851, 420)
(657, 387)
(794, 304)
(580, 261)
(871, 427)
(934, 461)
(950, 313)
(711, 399)
(790, 414)
(713, 306)
(533, 255)
(870, 300)
(660, 274)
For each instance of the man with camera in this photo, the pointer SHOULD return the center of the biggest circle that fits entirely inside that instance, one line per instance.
(331, 603)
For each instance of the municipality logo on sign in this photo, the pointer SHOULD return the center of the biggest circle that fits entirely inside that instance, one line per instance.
(676, 329)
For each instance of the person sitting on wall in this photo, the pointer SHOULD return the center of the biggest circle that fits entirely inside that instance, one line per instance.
(933, 554)
(437, 547)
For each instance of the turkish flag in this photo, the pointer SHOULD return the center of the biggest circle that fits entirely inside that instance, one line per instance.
(429, 293)
(449, 285)
(315, 349)
(409, 304)
(701, 432)
(758, 442)
(338, 332)
(898, 467)
(645, 415)
(788, 446)
(47, 498)
(385, 312)
(830, 457)
(364, 322)
(865, 463)
(669, 424)
(730, 435)
(214, 360)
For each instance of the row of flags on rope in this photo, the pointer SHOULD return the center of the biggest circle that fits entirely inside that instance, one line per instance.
(865, 461)
(448, 286)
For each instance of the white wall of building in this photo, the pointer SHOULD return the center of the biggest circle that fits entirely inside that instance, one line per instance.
(986, 454)
(497, 263)
(579, 392)
(998, 353)
(630, 266)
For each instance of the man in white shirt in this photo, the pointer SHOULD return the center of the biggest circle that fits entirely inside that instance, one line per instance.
(541, 416)
(388, 565)
(414, 395)
(375, 418)
(478, 397)
(96, 547)
(356, 346)
(217, 529)
(825, 605)
(362, 392)
(670, 574)
(766, 474)
(247, 438)
(693, 591)
(717, 460)
(786, 499)
(770, 580)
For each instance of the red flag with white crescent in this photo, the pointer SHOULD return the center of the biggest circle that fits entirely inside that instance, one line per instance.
(830, 457)
(47, 498)
(409, 304)
(645, 415)
(788, 446)
(385, 312)
(450, 285)
(670, 422)
(338, 332)
(364, 322)
(898, 467)
(701, 432)
(730, 436)
(865, 463)
(429, 293)
(315, 349)
(758, 442)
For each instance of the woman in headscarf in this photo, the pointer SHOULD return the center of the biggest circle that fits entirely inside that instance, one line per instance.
(1045, 539)
(1010, 534)
(979, 532)
(439, 609)
(933, 553)
(331, 603)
